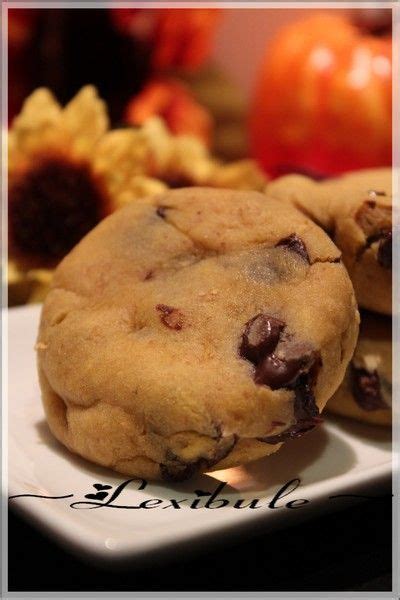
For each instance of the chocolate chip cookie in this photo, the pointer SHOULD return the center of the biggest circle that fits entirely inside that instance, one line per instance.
(366, 391)
(356, 209)
(194, 331)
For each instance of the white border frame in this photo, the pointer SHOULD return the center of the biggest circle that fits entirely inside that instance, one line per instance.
(396, 286)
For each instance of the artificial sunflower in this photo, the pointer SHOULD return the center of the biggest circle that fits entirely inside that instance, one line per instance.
(68, 170)
(60, 183)
(175, 160)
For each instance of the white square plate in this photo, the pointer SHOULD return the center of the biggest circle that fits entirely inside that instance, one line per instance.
(339, 458)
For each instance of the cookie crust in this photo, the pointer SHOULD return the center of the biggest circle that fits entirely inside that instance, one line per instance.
(366, 391)
(356, 210)
(139, 342)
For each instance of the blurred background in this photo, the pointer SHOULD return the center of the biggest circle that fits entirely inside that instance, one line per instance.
(296, 89)
(264, 92)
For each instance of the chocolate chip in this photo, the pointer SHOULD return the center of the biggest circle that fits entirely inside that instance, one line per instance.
(282, 362)
(384, 255)
(295, 431)
(171, 317)
(373, 219)
(222, 450)
(368, 203)
(385, 250)
(161, 211)
(280, 368)
(276, 372)
(305, 407)
(260, 337)
(176, 469)
(283, 371)
(306, 411)
(366, 388)
(294, 243)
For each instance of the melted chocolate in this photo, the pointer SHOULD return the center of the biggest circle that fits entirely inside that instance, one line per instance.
(385, 250)
(294, 243)
(162, 211)
(366, 388)
(281, 362)
(178, 470)
(260, 337)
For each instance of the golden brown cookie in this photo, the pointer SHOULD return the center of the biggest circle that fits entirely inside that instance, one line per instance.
(356, 209)
(194, 331)
(306, 194)
(366, 391)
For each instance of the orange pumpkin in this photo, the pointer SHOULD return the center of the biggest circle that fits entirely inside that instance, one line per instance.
(323, 99)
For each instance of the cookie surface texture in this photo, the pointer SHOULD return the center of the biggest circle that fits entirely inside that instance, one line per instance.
(361, 209)
(193, 331)
(356, 210)
(366, 391)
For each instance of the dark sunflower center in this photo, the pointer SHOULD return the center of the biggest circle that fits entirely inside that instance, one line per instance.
(51, 208)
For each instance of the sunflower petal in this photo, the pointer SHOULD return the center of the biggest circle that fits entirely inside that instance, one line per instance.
(190, 160)
(159, 142)
(37, 126)
(85, 119)
(120, 154)
(40, 110)
(239, 175)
